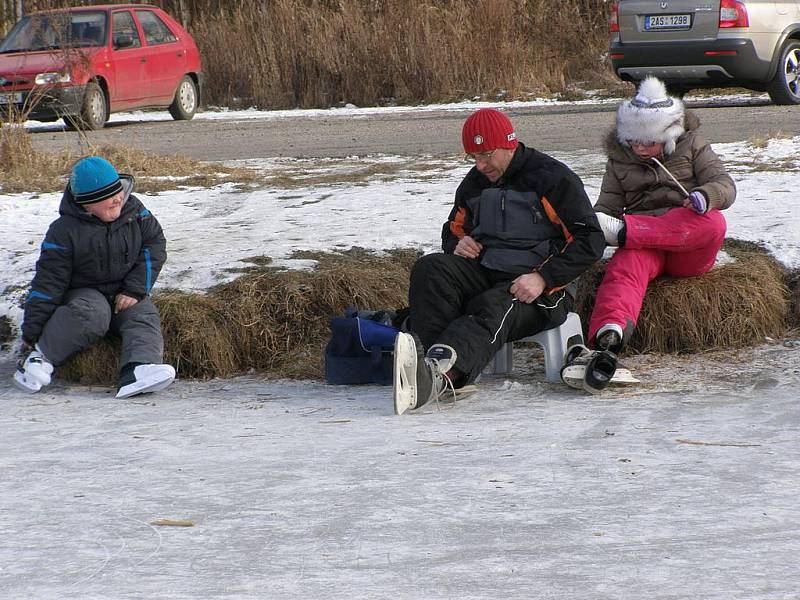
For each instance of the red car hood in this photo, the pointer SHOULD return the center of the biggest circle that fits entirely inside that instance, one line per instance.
(30, 63)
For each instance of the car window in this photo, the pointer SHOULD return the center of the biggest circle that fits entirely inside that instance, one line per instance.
(155, 32)
(124, 33)
(56, 31)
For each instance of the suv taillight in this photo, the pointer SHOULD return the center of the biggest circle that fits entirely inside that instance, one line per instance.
(613, 18)
(732, 13)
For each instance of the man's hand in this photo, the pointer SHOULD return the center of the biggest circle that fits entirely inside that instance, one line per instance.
(468, 248)
(527, 288)
(122, 302)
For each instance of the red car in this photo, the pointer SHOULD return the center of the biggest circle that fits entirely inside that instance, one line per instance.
(84, 63)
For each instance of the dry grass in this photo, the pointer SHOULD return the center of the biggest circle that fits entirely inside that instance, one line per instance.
(763, 139)
(794, 295)
(734, 305)
(307, 173)
(25, 169)
(314, 53)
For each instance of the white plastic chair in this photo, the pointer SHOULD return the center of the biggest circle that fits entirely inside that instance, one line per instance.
(554, 342)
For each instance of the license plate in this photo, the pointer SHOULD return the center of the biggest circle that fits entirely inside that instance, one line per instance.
(667, 22)
(14, 98)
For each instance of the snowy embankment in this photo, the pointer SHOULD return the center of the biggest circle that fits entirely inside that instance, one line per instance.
(210, 231)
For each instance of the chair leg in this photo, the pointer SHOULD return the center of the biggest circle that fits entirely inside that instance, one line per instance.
(503, 361)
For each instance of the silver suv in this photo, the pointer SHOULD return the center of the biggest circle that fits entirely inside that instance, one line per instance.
(709, 43)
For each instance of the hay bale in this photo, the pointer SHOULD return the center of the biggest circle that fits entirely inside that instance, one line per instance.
(794, 296)
(98, 365)
(197, 342)
(198, 338)
(734, 305)
(282, 317)
(272, 320)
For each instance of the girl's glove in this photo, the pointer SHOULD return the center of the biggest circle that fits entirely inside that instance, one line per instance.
(697, 202)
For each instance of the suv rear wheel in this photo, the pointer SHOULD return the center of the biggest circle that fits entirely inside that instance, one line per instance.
(785, 86)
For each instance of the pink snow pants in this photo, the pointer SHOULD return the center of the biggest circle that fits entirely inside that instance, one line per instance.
(680, 243)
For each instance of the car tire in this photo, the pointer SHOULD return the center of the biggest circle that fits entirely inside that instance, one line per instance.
(184, 105)
(785, 86)
(94, 110)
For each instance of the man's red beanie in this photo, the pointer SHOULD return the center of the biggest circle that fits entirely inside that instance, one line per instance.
(488, 129)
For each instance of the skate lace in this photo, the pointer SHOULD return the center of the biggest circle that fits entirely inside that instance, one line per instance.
(441, 385)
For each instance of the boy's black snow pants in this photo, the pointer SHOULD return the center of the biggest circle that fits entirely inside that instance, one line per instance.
(458, 302)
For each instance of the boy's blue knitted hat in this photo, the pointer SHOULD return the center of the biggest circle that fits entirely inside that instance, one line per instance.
(93, 179)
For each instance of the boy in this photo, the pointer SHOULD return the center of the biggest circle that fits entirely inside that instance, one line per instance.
(98, 263)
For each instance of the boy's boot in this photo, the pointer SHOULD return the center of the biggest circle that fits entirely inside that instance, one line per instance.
(35, 373)
(137, 378)
(419, 378)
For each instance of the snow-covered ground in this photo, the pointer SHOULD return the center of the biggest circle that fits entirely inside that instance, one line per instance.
(682, 487)
(209, 231)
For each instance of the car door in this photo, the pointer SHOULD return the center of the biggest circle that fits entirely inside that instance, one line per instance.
(131, 84)
(166, 59)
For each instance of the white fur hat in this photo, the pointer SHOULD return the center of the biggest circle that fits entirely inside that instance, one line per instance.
(652, 116)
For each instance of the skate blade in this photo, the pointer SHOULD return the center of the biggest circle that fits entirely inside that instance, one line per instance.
(26, 385)
(466, 390)
(144, 387)
(404, 376)
(450, 398)
(573, 376)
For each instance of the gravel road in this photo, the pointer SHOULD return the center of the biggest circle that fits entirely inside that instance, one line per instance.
(562, 128)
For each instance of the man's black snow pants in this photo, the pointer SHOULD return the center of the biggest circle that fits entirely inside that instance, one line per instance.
(458, 302)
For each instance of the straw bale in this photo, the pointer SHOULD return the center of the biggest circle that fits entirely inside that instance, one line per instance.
(269, 319)
(282, 317)
(794, 292)
(734, 305)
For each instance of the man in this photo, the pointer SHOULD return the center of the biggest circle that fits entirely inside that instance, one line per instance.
(521, 229)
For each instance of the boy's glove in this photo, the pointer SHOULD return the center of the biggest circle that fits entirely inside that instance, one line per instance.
(697, 202)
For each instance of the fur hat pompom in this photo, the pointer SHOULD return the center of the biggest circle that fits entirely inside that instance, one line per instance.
(651, 116)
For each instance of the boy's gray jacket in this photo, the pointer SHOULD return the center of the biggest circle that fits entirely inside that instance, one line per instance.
(81, 251)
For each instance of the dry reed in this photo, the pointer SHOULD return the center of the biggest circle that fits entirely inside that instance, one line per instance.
(285, 54)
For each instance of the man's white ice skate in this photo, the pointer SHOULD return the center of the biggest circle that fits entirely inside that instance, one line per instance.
(146, 378)
(404, 381)
(419, 377)
(33, 374)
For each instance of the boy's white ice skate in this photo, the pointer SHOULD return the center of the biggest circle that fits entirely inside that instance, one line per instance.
(33, 374)
(142, 379)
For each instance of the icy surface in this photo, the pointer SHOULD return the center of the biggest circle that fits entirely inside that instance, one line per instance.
(685, 487)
